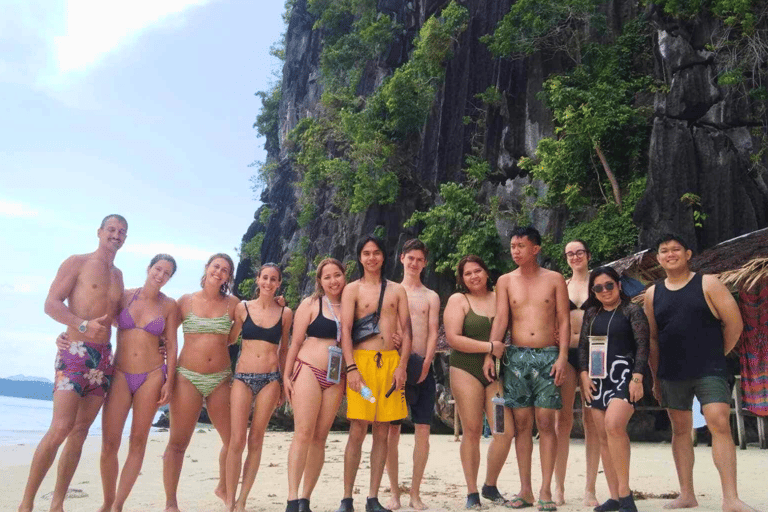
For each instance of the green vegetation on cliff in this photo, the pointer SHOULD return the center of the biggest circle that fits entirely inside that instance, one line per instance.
(357, 144)
(461, 223)
(595, 161)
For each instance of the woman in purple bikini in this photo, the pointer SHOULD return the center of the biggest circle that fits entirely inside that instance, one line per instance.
(142, 380)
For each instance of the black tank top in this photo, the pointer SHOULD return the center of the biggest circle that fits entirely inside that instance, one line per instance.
(251, 331)
(322, 327)
(690, 337)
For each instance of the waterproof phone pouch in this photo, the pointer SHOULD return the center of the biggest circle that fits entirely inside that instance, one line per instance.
(598, 357)
(334, 364)
(498, 414)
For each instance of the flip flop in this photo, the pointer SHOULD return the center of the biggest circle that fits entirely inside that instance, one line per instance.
(517, 502)
(546, 506)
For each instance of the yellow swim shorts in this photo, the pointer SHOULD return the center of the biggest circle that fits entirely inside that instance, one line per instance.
(377, 369)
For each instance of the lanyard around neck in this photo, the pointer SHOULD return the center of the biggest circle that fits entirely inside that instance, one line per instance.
(608, 329)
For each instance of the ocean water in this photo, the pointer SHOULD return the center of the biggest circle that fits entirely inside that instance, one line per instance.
(24, 420)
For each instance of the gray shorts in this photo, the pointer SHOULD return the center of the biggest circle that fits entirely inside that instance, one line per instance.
(678, 394)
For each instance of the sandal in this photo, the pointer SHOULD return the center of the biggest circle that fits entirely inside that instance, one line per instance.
(518, 502)
(547, 506)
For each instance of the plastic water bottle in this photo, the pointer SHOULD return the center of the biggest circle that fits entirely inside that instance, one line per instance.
(366, 393)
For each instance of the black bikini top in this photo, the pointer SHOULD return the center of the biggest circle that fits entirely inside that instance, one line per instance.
(322, 327)
(251, 331)
(574, 306)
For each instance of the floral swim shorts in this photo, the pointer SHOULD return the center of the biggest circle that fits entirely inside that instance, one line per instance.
(85, 368)
(527, 379)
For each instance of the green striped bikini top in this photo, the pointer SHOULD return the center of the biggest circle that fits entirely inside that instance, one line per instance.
(194, 324)
(476, 326)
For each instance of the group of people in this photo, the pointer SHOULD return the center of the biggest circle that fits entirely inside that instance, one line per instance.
(374, 340)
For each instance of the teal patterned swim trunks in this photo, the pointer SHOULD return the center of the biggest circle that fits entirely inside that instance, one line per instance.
(527, 382)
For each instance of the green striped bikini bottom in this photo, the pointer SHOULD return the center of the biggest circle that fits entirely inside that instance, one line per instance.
(205, 383)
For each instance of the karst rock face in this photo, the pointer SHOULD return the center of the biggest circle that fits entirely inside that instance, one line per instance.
(701, 139)
(700, 142)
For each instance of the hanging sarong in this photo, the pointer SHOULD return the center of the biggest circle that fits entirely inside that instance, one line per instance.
(753, 348)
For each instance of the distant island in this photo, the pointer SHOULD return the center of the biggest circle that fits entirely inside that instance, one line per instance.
(22, 386)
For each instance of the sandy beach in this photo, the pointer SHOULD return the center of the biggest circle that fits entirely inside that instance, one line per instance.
(653, 474)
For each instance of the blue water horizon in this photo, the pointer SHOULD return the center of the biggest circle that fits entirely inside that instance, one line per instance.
(26, 420)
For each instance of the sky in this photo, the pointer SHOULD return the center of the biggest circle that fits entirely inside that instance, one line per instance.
(142, 108)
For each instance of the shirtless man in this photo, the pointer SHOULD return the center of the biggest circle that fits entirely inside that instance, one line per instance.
(694, 323)
(92, 287)
(533, 368)
(424, 305)
(372, 362)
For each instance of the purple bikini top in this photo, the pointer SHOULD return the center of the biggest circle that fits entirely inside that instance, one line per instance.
(125, 320)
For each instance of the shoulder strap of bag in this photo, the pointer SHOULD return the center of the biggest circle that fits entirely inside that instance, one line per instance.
(381, 296)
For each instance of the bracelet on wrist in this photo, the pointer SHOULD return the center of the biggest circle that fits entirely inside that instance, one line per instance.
(490, 349)
(351, 367)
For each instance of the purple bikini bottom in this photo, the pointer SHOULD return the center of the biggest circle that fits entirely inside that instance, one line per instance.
(135, 380)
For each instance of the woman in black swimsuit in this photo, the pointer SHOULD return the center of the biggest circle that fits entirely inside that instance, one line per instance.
(577, 255)
(265, 326)
(314, 399)
(611, 398)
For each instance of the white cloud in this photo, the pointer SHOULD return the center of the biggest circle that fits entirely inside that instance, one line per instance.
(96, 27)
(15, 209)
(180, 252)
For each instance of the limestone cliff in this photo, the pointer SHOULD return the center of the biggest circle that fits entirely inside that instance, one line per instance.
(701, 141)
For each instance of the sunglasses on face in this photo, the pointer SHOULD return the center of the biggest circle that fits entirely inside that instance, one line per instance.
(598, 288)
(579, 253)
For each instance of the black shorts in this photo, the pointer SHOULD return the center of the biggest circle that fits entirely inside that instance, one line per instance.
(421, 399)
(615, 385)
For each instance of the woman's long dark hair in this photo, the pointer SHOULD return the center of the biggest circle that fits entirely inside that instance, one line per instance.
(593, 301)
(471, 258)
(256, 289)
(380, 244)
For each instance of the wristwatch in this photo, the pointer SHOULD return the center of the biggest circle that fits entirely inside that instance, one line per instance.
(636, 379)
(83, 326)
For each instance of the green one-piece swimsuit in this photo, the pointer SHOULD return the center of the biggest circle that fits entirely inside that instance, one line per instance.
(477, 327)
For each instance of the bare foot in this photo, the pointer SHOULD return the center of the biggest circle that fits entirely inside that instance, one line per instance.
(239, 507)
(682, 502)
(590, 500)
(393, 503)
(221, 492)
(172, 507)
(417, 504)
(736, 506)
(559, 496)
